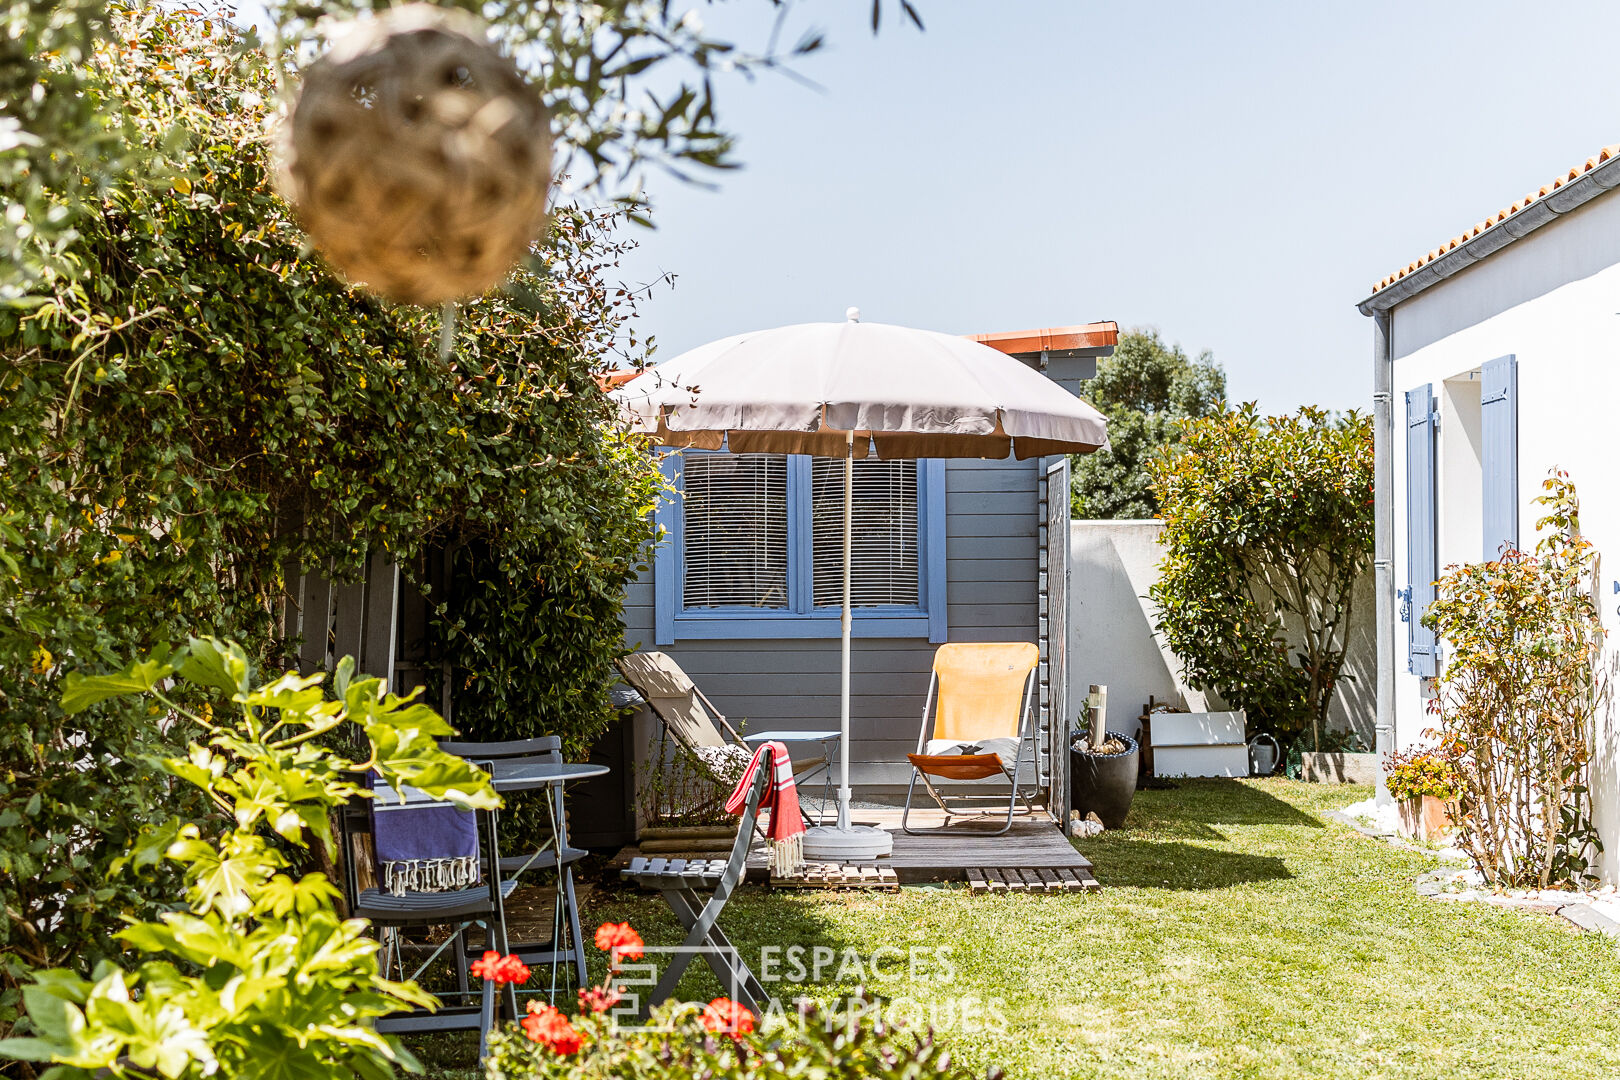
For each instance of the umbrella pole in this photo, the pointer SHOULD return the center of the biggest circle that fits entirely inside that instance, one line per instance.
(845, 842)
(846, 626)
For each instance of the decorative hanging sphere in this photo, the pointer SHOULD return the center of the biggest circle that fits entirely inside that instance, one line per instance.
(417, 157)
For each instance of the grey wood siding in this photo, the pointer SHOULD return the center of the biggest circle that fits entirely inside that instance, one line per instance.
(992, 570)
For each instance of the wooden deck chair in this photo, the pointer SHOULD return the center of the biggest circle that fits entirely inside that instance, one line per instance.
(693, 722)
(981, 697)
(678, 880)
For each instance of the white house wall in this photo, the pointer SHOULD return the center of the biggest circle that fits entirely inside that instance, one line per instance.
(1562, 286)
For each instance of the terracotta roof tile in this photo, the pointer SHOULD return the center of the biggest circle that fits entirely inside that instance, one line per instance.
(1502, 215)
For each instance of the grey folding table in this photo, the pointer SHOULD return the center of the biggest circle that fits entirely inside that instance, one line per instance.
(521, 775)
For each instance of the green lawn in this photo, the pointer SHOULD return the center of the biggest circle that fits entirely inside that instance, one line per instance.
(1238, 933)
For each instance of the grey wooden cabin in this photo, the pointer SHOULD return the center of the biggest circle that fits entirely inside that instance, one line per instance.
(732, 590)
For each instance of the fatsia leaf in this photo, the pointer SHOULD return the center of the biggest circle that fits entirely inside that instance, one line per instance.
(82, 691)
(30, 1049)
(58, 1020)
(219, 664)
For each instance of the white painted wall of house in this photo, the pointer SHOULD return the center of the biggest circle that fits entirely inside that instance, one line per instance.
(1112, 639)
(1561, 288)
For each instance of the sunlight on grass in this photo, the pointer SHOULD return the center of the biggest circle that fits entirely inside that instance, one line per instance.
(1238, 933)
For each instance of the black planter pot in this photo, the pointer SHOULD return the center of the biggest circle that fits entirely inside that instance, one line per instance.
(1104, 784)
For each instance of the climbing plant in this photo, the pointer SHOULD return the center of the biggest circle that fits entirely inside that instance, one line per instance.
(196, 410)
(1268, 525)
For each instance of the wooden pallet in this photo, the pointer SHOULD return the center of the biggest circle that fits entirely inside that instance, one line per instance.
(1010, 879)
(834, 876)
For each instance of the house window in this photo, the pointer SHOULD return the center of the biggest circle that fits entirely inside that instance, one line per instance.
(754, 548)
(883, 534)
(736, 546)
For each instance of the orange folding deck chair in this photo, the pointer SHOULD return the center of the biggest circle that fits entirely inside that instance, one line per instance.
(981, 697)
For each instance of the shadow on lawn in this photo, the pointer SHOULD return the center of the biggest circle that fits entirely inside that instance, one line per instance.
(1192, 807)
(1155, 864)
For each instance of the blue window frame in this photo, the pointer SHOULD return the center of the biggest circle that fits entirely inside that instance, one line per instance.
(703, 594)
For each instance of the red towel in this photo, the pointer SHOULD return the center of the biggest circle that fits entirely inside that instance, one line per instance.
(784, 834)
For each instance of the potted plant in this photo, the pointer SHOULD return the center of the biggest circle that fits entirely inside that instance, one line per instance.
(1425, 786)
(1102, 766)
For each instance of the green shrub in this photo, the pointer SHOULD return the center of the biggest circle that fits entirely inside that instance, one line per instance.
(1268, 526)
(258, 977)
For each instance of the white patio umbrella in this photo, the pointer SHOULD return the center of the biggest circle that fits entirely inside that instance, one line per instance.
(836, 389)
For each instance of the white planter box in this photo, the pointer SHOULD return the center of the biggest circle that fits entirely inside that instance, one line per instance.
(1230, 760)
(1199, 729)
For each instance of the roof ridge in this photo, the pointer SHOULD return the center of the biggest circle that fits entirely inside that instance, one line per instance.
(1607, 152)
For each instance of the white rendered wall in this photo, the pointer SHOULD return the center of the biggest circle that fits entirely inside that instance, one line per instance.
(1112, 564)
(1567, 341)
(1111, 641)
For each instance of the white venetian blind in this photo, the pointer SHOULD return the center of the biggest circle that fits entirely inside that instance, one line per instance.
(883, 559)
(735, 526)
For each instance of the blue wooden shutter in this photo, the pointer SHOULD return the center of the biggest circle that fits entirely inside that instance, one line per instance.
(1499, 434)
(1421, 556)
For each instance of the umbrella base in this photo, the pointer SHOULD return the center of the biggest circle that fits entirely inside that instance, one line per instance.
(828, 843)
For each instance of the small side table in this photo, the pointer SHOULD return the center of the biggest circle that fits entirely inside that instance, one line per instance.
(520, 774)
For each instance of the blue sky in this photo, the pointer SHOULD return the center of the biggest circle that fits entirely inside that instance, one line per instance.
(1235, 174)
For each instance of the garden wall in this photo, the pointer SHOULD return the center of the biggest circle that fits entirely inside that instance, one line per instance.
(1112, 639)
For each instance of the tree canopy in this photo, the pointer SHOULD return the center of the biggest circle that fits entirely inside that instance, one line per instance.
(1143, 389)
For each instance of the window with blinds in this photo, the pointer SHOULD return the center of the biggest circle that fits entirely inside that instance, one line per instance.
(735, 531)
(883, 559)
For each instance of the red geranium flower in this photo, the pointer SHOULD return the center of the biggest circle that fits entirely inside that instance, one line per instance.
(619, 940)
(729, 1017)
(547, 1026)
(597, 999)
(500, 969)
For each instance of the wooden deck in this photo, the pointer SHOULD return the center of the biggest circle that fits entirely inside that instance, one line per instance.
(948, 852)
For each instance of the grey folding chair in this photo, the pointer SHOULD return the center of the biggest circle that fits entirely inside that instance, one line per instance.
(482, 906)
(678, 880)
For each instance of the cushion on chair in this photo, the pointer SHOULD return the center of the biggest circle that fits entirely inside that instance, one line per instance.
(1006, 749)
